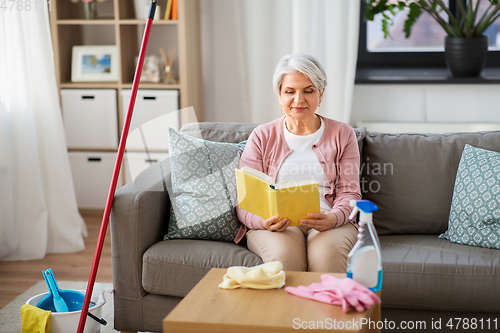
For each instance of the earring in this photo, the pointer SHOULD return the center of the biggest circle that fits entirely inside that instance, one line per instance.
(280, 106)
(319, 105)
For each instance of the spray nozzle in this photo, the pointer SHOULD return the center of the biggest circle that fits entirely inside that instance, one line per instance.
(364, 205)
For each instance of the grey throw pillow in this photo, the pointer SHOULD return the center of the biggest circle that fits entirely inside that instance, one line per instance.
(203, 194)
(475, 209)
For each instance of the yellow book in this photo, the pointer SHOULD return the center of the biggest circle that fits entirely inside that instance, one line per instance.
(167, 11)
(259, 195)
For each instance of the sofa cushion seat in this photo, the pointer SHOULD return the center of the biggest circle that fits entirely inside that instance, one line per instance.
(174, 267)
(424, 272)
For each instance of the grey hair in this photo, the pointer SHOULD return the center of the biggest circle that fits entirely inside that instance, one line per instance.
(300, 63)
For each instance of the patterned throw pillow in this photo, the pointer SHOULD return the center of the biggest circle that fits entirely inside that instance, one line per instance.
(475, 208)
(203, 193)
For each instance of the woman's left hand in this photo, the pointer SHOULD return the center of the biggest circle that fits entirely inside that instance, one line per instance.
(320, 221)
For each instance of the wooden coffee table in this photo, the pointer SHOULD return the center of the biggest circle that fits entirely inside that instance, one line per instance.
(206, 308)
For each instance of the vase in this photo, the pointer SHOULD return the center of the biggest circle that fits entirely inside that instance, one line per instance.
(89, 10)
(139, 7)
(466, 57)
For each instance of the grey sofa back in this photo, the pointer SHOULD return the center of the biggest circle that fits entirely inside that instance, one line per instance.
(219, 132)
(410, 176)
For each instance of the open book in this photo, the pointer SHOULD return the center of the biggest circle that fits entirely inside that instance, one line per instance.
(258, 194)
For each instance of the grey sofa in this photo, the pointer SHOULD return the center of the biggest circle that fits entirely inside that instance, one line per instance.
(409, 176)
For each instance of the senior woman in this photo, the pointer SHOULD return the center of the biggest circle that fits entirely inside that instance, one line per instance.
(303, 145)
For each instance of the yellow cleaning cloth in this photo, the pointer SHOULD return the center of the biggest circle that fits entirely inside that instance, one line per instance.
(34, 320)
(266, 276)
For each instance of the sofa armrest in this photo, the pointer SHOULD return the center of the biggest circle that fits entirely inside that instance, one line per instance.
(139, 219)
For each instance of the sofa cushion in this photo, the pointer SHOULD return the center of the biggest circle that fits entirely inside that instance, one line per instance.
(424, 272)
(475, 208)
(203, 193)
(174, 267)
(410, 177)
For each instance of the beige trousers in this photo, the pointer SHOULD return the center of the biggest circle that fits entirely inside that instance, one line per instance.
(303, 249)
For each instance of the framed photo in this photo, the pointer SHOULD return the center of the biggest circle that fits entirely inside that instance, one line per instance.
(94, 63)
(150, 69)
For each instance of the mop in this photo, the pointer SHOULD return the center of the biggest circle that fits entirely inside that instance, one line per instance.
(116, 171)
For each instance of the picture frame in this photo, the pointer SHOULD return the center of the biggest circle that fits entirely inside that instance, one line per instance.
(150, 69)
(94, 63)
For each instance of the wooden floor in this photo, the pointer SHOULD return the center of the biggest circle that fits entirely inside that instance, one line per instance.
(17, 276)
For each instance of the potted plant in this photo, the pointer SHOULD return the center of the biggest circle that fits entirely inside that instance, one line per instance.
(465, 45)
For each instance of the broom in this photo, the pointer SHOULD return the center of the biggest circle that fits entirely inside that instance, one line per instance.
(116, 171)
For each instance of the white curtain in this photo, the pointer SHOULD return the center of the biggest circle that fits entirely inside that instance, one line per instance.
(38, 211)
(242, 41)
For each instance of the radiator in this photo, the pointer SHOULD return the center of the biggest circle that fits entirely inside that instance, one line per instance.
(425, 127)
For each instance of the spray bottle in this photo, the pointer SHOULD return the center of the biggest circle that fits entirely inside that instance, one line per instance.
(364, 262)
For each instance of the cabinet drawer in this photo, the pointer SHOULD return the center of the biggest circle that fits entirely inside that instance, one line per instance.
(92, 172)
(90, 118)
(155, 111)
(137, 162)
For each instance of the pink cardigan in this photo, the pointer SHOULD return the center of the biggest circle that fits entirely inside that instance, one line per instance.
(337, 151)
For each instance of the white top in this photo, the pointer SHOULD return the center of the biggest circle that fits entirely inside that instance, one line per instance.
(302, 164)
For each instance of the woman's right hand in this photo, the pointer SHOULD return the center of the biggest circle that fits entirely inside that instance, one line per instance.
(274, 223)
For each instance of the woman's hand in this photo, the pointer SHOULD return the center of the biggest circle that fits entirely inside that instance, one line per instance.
(320, 221)
(274, 223)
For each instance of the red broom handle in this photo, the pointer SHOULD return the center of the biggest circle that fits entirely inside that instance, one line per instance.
(116, 171)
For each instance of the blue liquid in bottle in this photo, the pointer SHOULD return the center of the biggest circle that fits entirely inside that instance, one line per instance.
(378, 287)
(364, 261)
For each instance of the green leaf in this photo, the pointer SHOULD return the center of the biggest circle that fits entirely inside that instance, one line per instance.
(385, 28)
(486, 20)
(372, 8)
(475, 12)
(470, 17)
(369, 13)
(466, 23)
(470, 14)
(391, 9)
(413, 15)
(452, 19)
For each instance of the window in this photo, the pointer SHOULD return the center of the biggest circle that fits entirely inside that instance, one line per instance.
(424, 48)
(493, 30)
(426, 35)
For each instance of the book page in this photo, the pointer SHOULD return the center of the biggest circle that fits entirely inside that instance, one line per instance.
(257, 174)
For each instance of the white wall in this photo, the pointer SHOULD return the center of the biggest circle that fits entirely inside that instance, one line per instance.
(426, 103)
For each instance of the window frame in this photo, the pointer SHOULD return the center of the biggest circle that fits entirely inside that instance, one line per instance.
(415, 59)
